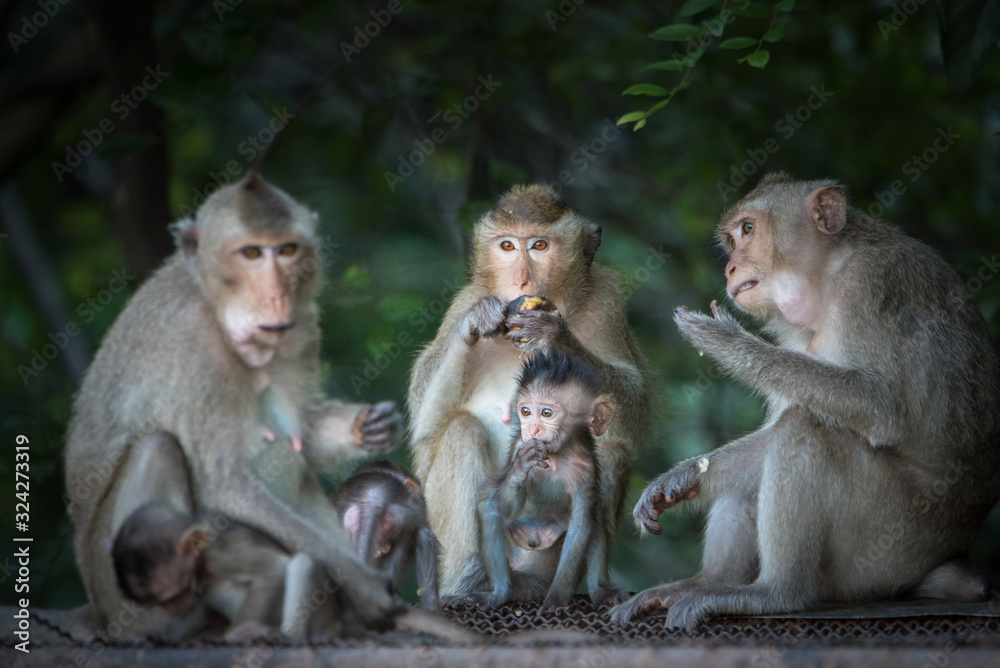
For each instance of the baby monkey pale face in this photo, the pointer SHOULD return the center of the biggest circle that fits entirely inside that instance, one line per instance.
(551, 414)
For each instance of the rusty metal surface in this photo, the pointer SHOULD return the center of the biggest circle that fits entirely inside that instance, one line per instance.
(519, 635)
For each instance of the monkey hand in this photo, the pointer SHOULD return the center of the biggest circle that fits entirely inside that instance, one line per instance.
(377, 427)
(372, 596)
(530, 454)
(485, 319)
(537, 330)
(678, 484)
(717, 334)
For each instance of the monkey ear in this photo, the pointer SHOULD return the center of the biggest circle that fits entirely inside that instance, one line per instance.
(827, 207)
(591, 242)
(411, 484)
(193, 541)
(185, 233)
(602, 411)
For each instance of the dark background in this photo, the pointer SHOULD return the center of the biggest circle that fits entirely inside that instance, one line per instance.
(77, 239)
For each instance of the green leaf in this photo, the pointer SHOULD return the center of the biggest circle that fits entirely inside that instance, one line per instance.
(678, 32)
(631, 117)
(645, 89)
(738, 43)
(774, 34)
(752, 10)
(692, 7)
(659, 105)
(758, 59)
(785, 5)
(671, 65)
(639, 125)
(971, 28)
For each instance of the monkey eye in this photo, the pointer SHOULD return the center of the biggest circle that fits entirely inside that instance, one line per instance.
(547, 412)
(540, 244)
(251, 252)
(288, 249)
(507, 245)
(746, 227)
(525, 411)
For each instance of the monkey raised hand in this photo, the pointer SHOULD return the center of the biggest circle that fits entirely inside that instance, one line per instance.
(537, 331)
(530, 455)
(717, 335)
(377, 427)
(485, 319)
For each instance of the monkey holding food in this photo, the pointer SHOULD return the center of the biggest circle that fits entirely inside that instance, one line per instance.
(532, 244)
(165, 558)
(540, 525)
(879, 458)
(219, 347)
(385, 517)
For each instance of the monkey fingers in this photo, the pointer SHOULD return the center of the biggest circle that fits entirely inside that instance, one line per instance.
(376, 428)
(554, 600)
(716, 334)
(485, 319)
(532, 331)
(645, 602)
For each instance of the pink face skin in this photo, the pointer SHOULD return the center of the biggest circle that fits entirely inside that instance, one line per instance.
(522, 263)
(543, 414)
(260, 311)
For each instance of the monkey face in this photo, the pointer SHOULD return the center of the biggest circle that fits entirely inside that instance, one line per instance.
(551, 415)
(256, 292)
(521, 259)
(746, 237)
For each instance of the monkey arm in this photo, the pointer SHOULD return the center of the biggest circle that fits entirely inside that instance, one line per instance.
(733, 469)
(339, 431)
(367, 589)
(860, 399)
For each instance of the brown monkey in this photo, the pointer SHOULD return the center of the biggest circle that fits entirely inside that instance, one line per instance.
(878, 461)
(540, 526)
(174, 405)
(165, 558)
(385, 517)
(529, 244)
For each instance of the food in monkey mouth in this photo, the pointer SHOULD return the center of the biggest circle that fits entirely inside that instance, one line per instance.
(530, 303)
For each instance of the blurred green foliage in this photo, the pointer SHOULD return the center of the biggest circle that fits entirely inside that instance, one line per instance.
(839, 98)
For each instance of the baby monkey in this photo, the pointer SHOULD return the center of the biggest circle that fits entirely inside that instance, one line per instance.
(163, 557)
(385, 517)
(539, 526)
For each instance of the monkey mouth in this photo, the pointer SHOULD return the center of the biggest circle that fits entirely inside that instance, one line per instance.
(747, 285)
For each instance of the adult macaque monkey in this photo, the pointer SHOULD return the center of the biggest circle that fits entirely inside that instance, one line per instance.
(219, 343)
(529, 244)
(878, 461)
(385, 517)
(540, 529)
(165, 558)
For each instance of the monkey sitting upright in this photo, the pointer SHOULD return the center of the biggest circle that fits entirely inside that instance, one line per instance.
(163, 557)
(385, 518)
(879, 458)
(540, 526)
